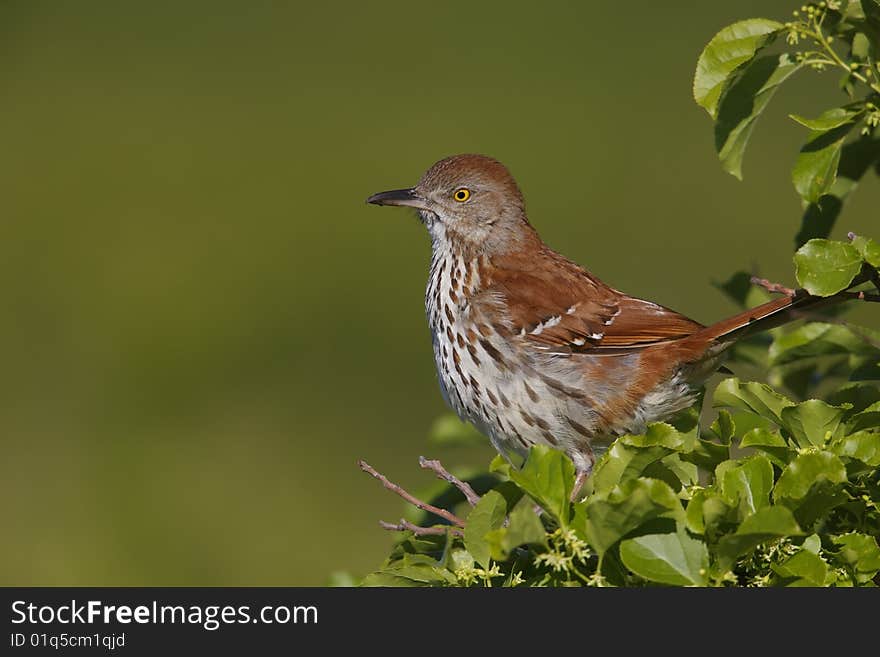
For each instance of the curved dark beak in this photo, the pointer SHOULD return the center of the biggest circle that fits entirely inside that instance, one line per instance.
(407, 197)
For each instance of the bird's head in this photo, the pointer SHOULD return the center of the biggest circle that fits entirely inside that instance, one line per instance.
(471, 201)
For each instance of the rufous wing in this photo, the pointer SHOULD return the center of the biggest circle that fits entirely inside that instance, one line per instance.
(559, 306)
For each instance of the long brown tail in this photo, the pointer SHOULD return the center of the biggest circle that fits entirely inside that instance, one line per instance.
(767, 316)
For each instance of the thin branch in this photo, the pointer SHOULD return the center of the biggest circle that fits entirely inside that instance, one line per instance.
(407, 526)
(416, 502)
(773, 287)
(437, 468)
(862, 296)
(824, 43)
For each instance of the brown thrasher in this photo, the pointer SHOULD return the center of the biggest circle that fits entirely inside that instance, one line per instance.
(534, 349)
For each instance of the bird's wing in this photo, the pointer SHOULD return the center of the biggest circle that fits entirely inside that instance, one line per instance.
(560, 307)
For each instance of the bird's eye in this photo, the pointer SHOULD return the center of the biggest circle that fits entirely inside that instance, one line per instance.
(462, 194)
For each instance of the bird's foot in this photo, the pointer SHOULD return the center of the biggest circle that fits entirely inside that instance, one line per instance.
(579, 480)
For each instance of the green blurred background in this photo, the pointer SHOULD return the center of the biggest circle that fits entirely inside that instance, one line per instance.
(204, 326)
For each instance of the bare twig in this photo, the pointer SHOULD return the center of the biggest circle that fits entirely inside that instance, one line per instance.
(773, 287)
(443, 513)
(407, 526)
(781, 289)
(437, 468)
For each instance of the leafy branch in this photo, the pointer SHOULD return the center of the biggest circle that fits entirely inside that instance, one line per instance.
(809, 26)
(783, 487)
(773, 493)
(736, 78)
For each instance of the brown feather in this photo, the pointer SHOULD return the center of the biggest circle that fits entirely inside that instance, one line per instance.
(643, 322)
(767, 316)
(557, 303)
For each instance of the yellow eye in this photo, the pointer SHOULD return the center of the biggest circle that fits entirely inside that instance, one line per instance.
(462, 195)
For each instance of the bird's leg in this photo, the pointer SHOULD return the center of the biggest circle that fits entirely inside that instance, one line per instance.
(579, 480)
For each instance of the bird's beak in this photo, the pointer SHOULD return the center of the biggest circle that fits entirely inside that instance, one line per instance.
(407, 197)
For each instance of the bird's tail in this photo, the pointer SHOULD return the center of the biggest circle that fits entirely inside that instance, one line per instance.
(775, 313)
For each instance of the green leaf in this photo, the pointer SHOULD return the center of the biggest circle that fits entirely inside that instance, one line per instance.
(861, 46)
(805, 470)
(868, 418)
(833, 118)
(817, 504)
(382, 578)
(747, 420)
(686, 473)
(706, 454)
(813, 543)
(747, 484)
(411, 570)
(728, 50)
(694, 511)
(626, 508)
(723, 428)
(863, 446)
(675, 559)
(744, 100)
(813, 422)
(770, 443)
(500, 466)
(687, 422)
(548, 477)
(424, 545)
(622, 463)
(760, 437)
(860, 553)
(871, 9)
(757, 398)
(856, 159)
(869, 250)
(488, 514)
(450, 431)
(859, 396)
(658, 434)
(770, 523)
(706, 510)
(803, 569)
(815, 339)
(825, 267)
(524, 528)
(457, 559)
(815, 169)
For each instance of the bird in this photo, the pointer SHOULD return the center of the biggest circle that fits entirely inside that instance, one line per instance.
(533, 349)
